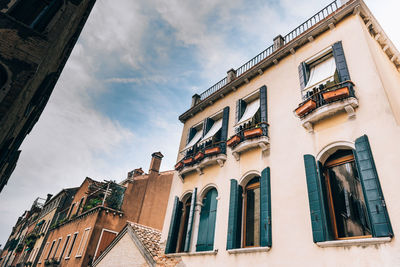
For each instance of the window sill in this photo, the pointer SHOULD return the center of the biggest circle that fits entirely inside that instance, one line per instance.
(262, 142)
(210, 160)
(354, 242)
(248, 250)
(198, 253)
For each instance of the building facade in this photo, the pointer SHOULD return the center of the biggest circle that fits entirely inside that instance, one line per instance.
(14, 250)
(290, 159)
(100, 210)
(36, 41)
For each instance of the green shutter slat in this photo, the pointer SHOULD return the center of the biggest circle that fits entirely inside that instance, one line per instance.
(265, 208)
(263, 104)
(373, 195)
(205, 239)
(233, 216)
(208, 123)
(190, 221)
(174, 227)
(303, 74)
(318, 220)
(340, 61)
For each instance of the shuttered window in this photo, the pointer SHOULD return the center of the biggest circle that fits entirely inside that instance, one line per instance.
(345, 196)
(255, 221)
(205, 239)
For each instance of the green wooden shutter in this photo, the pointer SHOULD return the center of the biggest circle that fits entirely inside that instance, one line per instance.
(263, 104)
(174, 227)
(318, 220)
(191, 133)
(233, 216)
(303, 74)
(208, 123)
(205, 239)
(190, 221)
(239, 217)
(240, 108)
(265, 209)
(373, 195)
(340, 61)
(224, 129)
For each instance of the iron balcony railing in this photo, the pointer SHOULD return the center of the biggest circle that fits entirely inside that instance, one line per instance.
(324, 13)
(318, 98)
(250, 126)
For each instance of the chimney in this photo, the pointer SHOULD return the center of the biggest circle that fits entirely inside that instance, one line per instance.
(195, 100)
(155, 163)
(48, 197)
(135, 172)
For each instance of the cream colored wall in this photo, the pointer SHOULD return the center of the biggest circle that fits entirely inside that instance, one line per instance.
(124, 254)
(48, 217)
(292, 243)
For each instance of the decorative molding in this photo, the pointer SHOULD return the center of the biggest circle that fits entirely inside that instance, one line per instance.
(262, 142)
(355, 242)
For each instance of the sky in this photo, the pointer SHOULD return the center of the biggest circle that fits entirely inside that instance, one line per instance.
(131, 74)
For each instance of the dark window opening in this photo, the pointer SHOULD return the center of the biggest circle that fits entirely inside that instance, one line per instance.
(35, 13)
(183, 225)
(345, 198)
(251, 225)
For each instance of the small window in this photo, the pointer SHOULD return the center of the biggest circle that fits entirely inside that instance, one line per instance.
(44, 251)
(50, 250)
(106, 237)
(251, 221)
(65, 246)
(194, 135)
(345, 198)
(79, 206)
(71, 210)
(83, 242)
(56, 249)
(72, 246)
(248, 113)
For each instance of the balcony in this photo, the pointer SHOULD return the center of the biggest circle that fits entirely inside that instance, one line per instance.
(326, 102)
(248, 137)
(201, 156)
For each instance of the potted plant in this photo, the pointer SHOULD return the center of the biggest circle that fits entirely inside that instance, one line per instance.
(179, 165)
(305, 107)
(336, 94)
(213, 150)
(188, 160)
(199, 156)
(233, 141)
(250, 133)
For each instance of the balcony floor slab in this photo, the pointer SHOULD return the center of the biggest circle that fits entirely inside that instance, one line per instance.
(262, 142)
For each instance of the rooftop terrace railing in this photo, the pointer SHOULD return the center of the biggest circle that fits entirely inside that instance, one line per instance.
(324, 13)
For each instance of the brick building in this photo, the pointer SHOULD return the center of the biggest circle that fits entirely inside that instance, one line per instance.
(101, 209)
(37, 38)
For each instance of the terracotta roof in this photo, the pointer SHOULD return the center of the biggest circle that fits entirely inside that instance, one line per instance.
(150, 238)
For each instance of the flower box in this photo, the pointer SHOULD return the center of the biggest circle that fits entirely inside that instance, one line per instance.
(188, 161)
(233, 141)
(178, 165)
(214, 150)
(336, 94)
(199, 156)
(305, 108)
(252, 133)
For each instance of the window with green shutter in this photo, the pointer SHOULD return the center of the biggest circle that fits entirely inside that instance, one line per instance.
(345, 197)
(252, 227)
(205, 238)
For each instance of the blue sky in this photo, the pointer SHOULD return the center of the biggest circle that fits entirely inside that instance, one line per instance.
(131, 74)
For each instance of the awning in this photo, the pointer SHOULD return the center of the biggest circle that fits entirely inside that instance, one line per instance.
(214, 129)
(194, 140)
(251, 109)
(321, 73)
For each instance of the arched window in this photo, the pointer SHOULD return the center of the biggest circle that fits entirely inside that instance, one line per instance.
(180, 247)
(3, 76)
(180, 229)
(205, 238)
(344, 195)
(251, 216)
(249, 223)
